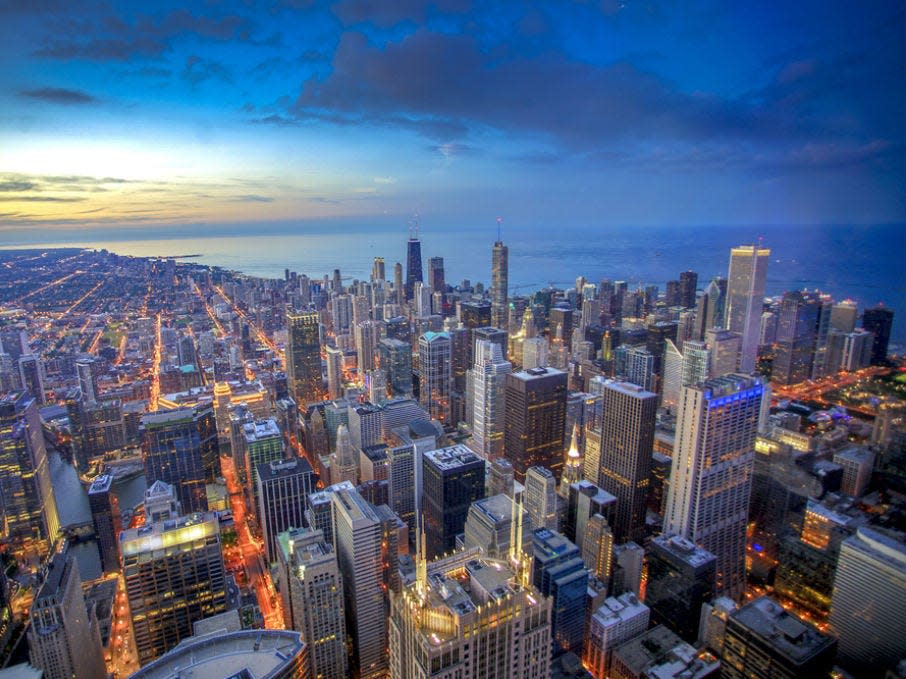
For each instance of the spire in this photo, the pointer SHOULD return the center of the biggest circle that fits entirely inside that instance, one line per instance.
(572, 470)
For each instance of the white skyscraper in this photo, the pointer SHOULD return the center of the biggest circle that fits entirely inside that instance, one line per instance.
(869, 599)
(617, 620)
(487, 380)
(745, 294)
(541, 497)
(343, 460)
(334, 372)
(711, 477)
(434, 356)
(357, 535)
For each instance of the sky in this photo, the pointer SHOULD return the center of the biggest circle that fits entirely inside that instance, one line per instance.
(136, 115)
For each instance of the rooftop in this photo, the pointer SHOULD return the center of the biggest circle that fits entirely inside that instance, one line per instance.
(684, 549)
(101, 484)
(280, 468)
(616, 610)
(261, 429)
(452, 457)
(170, 533)
(251, 653)
(783, 631)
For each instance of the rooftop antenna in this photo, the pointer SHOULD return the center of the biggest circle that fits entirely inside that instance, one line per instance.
(499, 222)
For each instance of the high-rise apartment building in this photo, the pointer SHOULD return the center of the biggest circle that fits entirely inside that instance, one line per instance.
(311, 586)
(487, 379)
(499, 284)
(868, 600)
(357, 536)
(29, 511)
(396, 362)
(435, 376)
(535, 422)
(263, 444)
(180, 448)
(745, 298)
(303, 357)
(627, 439)
(174, 577)
(711, 477)
(453, 478)
(283, 489)
(469, 618)
(63, 640)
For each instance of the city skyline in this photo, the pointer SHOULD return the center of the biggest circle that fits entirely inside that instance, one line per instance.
(118, 117)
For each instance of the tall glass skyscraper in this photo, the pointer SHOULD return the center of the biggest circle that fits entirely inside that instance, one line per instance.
(745, 295)
(303, 357)
(500, 256)
(413, 263)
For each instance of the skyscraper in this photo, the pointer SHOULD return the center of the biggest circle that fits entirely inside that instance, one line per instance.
(559, 572)
(680, 579)
(688, 282)
(357, 536)
(303, 357)
(796, 338)
(436, 274)
(312, 588)
(878, 320)
(469, 618)
(413, 262)
(378, 270)
(396, 362)
(31, 376)
(263, 444)
(868, 600)
(500, 255)
(343, 465)
(535, 419)
(487, 379)
(453, 479)
(541, 497)
(105, 516)
(174, 576)
(627, 438)
(711, 477)
(745, 295)
(180, 447)
(63, 640)
(283, 489)
(617, 620)
(30, 520)
(435, 376)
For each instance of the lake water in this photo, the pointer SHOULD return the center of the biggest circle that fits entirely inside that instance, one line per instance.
(862, 263)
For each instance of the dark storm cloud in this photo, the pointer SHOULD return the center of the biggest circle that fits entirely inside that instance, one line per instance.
(59, 95)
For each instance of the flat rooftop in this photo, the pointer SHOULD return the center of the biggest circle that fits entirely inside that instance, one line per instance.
(256, 654)
(684, 549)
(452, 457)
(777, 628)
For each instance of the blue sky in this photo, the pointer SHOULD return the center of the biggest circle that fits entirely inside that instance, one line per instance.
(127, 115)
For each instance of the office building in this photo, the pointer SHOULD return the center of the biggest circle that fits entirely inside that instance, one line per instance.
(724, 347)
(274, 654)
(535, 421)
(343, 462)
(559, 572)
(487, 381)
(711, 477)
(857, 463)
(63, 640)
(435, 376)
(500, 478)
(357, 536)
(688, 283)
(878, 321)
(303, 357)
(180, 448)
(627, 440)
(105, 515)
(283, 488)
(764, 641)
(367, 335)
(31, 376)
(746, 280)
(796, 338)
(660, 654)
(174, 576)
(401, 479)
(491, 525)
(637, 365)
(681, 578)
(583, 500)
(541, 500)
(334, 364)
(263, 444)
(453, 479)
(396, 361)
(29, 511)
(597, 548)
(469, 618)
(868, 600)
(311, 586)
(499, 284)
(616, 621)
